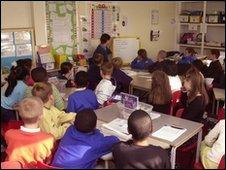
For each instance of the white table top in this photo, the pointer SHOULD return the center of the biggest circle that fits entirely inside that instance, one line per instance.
(219, 93)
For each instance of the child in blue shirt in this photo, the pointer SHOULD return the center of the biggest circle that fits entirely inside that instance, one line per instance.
(141, 62)
(13, 92)
(83, 144)
(82, 98)
(188, 57)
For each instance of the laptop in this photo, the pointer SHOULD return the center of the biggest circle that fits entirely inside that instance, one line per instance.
(108, 113)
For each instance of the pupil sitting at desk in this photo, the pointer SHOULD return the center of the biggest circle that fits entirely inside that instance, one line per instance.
(67, 73)
(161, 94)
(141, 62)
(137, 153)
(188, 57)
(160, 61)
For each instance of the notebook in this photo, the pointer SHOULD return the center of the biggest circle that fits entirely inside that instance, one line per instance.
(169, 132)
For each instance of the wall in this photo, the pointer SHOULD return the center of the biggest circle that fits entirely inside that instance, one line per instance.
(32, 14)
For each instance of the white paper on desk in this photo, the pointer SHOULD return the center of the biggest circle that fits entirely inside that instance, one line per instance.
(154, 115)
(168, 133)
(130, 72)
(117, 125)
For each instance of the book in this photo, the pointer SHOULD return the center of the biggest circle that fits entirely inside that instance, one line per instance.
(169, 132)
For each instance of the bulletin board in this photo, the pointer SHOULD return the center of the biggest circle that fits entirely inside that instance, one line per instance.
(100, 17)
(125, 48)
(61, 26)
(15, 44)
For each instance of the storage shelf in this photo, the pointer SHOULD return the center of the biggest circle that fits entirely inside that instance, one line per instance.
(186, 24)
(212, 47)
(215, 25)
(190, 45)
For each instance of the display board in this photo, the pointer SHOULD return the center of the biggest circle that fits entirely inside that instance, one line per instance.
(61, 26)
(126, 48)
(15, 44)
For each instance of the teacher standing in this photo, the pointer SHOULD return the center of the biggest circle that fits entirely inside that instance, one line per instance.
(102, 47)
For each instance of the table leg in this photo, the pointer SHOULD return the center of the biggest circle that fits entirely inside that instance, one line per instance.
(218, 101)
(173, 157)
(198, 146)
(213, 106)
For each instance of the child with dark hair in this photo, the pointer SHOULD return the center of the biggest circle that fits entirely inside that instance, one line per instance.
(94, 71)
(141, 62)
(138, 153)
(82, 98)
(39, 74)
(27, 63)
(122, 79)
(215, 68)
(13, 92)
(188, 57)
(182, 68)
(67, 73)
(102, 47)
(82, 143)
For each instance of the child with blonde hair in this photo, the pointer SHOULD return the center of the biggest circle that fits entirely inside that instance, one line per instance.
(29, 144)
(53, 121)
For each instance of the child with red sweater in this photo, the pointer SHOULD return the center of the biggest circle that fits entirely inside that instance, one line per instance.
(28, 144)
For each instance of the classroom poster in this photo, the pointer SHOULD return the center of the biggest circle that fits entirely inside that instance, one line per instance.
(61, 26)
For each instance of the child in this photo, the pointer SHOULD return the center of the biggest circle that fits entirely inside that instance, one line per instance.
(67, 73)
(188, 57)
(27, 63)
(159, 63)
(102, 48)
(94, 71)
(39, 74)
(105, 88)
(194, 97)
(137, 153)
(53, 120)
(28, 144)
(215, 69)
(122, 79)
(13, 92)
(141, 62)
(82, 98)
(161, 94)
(213, 146)
(82, 143)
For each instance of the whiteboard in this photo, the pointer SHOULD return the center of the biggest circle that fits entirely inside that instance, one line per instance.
(126, 48)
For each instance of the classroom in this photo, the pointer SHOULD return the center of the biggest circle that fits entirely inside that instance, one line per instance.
(112, 84)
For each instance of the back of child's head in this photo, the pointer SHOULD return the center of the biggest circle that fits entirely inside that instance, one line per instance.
(162, 55)
(65, 67)
(199, 65)
(27, 62)
(85, 121)
(117, 62)
(182, 68)
(139, 125)
(104, 38)
(30, 109)
(98, 59)
(107, 68)
(142, 53)
(215, 52)
(81, 79)
(16, 73)
(39, 74)
(191, 51)
(43, 91)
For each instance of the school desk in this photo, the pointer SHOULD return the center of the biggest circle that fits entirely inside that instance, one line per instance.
(193, 128)
(219, 94)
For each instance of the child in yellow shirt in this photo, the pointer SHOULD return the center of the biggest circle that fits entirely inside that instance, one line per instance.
(53, 121)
